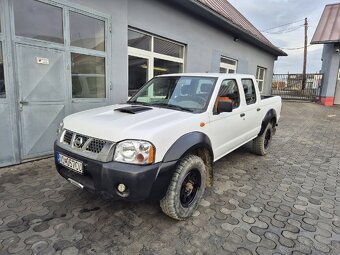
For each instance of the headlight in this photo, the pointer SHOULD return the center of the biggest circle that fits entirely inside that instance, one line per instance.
(135, 152)
(60, 128)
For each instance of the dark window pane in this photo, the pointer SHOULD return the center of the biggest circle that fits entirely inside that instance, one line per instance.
(87, 32)
(168, 48)
(2, 75)
(38, 20)
(231, 71)
(260, 83)
(166, 67)
(223, 70)
(138, 73)
(249, 91)
(139, 40)
(88, 76)
(228, 61)
(229, 92)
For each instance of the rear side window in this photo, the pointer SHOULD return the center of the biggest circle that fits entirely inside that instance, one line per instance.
(249, 91)
(229, 92)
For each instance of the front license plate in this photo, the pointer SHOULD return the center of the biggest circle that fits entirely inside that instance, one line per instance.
(70, 163)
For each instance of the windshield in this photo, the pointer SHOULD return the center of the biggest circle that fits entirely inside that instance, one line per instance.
(177, 92)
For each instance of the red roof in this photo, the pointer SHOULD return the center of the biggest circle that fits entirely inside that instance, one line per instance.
(328, 29)
(226, 10)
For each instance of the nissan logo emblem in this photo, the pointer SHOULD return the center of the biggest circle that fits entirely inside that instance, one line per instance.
(78, 142)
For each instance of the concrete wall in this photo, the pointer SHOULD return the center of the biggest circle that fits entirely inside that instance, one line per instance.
(330, 69)
(205, 44)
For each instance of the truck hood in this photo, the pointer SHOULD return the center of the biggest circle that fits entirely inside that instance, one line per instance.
(110, 124)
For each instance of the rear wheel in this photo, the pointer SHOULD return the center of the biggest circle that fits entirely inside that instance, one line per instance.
(262, 142)
(186, 188)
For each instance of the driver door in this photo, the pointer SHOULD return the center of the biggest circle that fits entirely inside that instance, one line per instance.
(226, 131)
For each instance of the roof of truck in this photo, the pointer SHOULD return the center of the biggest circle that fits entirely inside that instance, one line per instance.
(216, 75)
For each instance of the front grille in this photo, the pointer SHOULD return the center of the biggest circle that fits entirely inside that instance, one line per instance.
(96, 145)
(84, 143)
(68, 137)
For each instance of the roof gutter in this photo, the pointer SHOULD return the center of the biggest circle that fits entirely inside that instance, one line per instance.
(224, 23)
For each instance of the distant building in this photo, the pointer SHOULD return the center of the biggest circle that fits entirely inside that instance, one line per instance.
(328, 33)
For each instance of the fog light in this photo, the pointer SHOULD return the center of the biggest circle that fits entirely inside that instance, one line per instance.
(121, 188)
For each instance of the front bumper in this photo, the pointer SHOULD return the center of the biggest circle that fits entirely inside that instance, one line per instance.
(142, 182)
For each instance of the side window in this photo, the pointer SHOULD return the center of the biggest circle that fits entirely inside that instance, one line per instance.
(229, 92)
(249, 91)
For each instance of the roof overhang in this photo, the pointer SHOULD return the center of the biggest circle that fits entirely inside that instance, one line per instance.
(328, 29)
(325, 42)
(226, 25)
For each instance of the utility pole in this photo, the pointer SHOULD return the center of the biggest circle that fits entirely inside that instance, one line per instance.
(305, 57)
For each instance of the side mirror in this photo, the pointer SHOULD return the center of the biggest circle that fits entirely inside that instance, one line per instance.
(224, 106)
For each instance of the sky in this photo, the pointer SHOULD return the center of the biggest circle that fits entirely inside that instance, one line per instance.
(267, 14)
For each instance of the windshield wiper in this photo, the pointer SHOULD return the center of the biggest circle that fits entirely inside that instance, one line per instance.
(172, 106)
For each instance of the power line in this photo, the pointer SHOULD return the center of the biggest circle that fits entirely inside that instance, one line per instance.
(283, 25)
(298, 48)
(288, 30)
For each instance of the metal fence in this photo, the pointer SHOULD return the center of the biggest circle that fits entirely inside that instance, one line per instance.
(294, 87)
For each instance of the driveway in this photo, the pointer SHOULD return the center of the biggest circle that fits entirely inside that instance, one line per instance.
(287, 202)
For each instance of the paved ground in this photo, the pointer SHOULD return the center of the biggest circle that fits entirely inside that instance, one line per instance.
(287, 202)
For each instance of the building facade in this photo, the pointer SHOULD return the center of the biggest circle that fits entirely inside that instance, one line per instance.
(328, 33)
(61, 57)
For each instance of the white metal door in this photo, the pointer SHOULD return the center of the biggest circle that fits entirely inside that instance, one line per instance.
(226, 132)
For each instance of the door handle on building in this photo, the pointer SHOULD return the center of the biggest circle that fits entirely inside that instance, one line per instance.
(21, 105)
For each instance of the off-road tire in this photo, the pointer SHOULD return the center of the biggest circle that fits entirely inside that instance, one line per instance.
(171, 204)
(260, 145)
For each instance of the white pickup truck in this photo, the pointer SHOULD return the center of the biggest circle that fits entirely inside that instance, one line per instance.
(162, 143)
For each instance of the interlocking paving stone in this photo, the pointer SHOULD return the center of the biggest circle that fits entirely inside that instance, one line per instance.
(287, 202)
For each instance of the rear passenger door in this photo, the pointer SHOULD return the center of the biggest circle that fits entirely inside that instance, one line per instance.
(251, 108)
(227, 127)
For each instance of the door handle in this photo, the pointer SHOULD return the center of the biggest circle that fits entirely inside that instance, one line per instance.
(21, 105)
(242, 115)
(258, 109)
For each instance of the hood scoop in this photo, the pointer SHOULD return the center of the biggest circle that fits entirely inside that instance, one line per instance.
(133, 109)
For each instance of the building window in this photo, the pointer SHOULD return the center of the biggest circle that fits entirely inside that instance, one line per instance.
(88, 76)
(249, 91)
(149, 56)
(228, 65)
(260, 77)
(87, 32)
(88, 69)
(2, 74)
(38, 20)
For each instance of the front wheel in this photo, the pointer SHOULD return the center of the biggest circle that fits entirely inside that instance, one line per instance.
(262, 142)
(186, 188)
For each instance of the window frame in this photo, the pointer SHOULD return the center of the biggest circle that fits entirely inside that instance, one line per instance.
(228, 66)
(89, 52)
(239, 94)
(61, 5)
(68, 49)
(150, 56)
(254, 89)
(258, 78)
